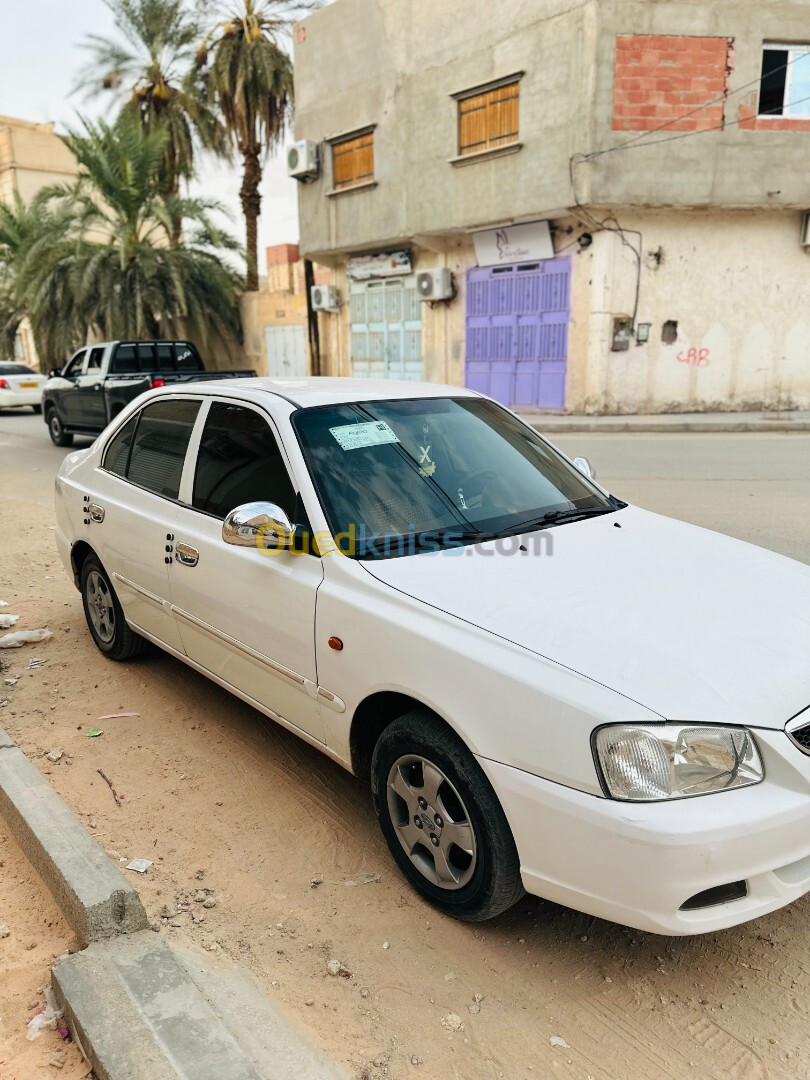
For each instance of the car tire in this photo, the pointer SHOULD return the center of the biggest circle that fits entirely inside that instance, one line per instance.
(104, 615)
(56, 430)
(37, 409)
(473, 879)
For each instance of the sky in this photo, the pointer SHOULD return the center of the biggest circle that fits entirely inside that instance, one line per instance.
(41, 55)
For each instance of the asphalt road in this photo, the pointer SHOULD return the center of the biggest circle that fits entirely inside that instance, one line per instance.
(754, 487)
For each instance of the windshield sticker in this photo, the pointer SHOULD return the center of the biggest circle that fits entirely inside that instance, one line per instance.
(356, 436)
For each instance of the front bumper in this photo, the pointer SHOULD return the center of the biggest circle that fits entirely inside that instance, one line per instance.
(637, 863)
(11, 398)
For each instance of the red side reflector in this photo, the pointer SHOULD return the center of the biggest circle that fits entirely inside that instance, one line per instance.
(335, 643)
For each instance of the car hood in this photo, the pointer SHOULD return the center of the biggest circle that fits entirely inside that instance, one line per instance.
(689, 623)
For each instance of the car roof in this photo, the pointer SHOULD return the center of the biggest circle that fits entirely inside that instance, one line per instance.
(310, 392)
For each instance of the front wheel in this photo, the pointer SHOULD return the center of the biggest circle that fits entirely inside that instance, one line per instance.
(56, 430)
(442, 820)
(105, 617)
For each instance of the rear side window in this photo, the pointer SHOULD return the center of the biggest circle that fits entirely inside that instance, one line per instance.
(165, 357)
(160, 444)
(146, 357)
(125, 361)
(239, 461)
(116, 456)
(187, 359)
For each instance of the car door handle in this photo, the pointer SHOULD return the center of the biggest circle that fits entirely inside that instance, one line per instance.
(187, 555)
(96, 513)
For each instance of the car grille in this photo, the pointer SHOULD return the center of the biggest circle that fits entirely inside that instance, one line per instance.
(801, 736)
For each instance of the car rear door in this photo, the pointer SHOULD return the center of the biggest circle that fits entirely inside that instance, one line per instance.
(134, 507)
(246, 615)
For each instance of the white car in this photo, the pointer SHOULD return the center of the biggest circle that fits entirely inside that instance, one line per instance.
(19, 386)
(549, 689)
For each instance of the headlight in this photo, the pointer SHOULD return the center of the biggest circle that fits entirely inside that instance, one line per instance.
(672, 761)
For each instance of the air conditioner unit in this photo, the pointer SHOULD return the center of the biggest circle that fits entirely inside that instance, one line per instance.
(806, 229)
(435, 285)
(325, 298)
(302, 160)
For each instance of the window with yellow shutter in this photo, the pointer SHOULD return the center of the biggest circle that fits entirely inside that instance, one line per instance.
(489, 117)
(353, 160)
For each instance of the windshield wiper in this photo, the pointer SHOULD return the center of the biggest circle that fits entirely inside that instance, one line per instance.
(558, 517)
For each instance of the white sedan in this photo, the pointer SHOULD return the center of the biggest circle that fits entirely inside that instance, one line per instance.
(19, 386)
(548, 689)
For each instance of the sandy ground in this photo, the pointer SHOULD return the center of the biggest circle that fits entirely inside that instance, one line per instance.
(37, 935)
(229, 806)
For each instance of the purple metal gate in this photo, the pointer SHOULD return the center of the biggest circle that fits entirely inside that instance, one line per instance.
(517, 332)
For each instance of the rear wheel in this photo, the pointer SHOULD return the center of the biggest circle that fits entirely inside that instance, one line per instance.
(442, 820)
(37, 409)
(105, 617)
(56, 430)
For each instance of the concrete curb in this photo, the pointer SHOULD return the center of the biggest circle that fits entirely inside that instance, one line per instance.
(138, 1010)
(624, 424)
(89, 888)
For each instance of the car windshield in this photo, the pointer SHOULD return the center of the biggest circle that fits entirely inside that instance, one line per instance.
(403, 477)
(15, 369)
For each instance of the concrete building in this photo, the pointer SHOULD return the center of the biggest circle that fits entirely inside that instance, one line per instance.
(32, 156)
(274, 319)
(617, 188)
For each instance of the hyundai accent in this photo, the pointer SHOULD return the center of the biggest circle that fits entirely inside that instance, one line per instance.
(548, 689)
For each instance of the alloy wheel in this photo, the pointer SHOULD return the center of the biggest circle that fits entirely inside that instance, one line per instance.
(431, 822)
(100, 606)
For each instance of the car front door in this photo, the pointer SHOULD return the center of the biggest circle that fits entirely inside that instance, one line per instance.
(133, 510)
(88, 397)
(69, 393)
(246, 615)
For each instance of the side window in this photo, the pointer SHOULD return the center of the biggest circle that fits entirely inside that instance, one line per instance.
(116, 456)
(125, 361)
(239, 461)
(146, 357)
(165, 357)
(76, 364)
(94, 363)
(160, 444)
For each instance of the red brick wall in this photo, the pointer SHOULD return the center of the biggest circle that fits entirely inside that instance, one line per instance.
(750, 121)
(660, 78)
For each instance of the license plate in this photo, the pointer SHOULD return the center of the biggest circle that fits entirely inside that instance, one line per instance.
(27, 385)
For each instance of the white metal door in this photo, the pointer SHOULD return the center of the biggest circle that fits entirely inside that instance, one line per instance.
(386, 331)
(285, 351)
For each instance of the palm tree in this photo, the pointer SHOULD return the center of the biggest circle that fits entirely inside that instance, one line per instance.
(151, 68)
(30, 234)
(250, 79)
(115, 270)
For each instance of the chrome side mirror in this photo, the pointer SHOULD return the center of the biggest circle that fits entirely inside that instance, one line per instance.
(585, 467)
(258, 524)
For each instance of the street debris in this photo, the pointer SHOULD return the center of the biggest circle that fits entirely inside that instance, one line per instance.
(140, 866)
(12, 682)
(117, 715)
(57, 1060)
(35, 662)
(558, 1040)
(3, 603)
(8, 620)
(4, 931)
(316, 881)
(118, 798)
(475, 1006)
(333, 967)
(363, 879)
(209, 902)
(54, 755)
(94, 733)
(22, 637)
(386, 944)
(45, 1018)
(453, 1022)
